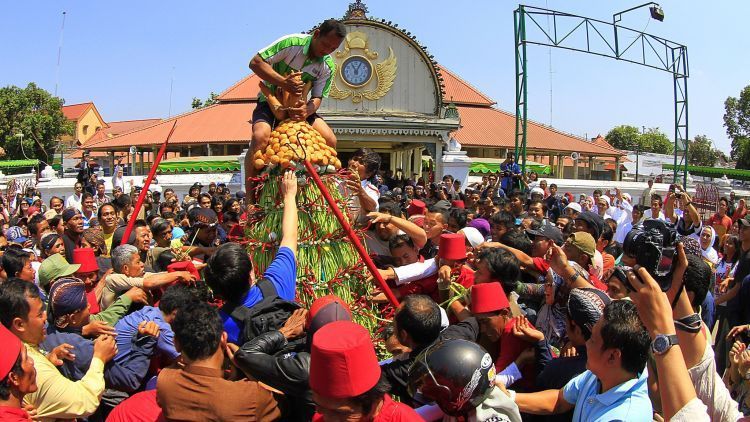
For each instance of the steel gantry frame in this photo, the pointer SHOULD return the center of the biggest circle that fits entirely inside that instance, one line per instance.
(587, 35)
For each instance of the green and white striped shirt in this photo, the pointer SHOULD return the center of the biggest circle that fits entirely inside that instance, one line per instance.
(290, 53)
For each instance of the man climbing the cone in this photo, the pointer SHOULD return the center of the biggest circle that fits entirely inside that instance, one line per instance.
(292, 67)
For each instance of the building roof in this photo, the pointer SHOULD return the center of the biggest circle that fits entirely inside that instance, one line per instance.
(457, 90)
(111, 130)
(226, 123)
(491, 127)
(75, 111)
(602, 142)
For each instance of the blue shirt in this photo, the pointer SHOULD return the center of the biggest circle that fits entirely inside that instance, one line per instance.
(127, 328)
(626, 402)
(507, 183)
(282, 273)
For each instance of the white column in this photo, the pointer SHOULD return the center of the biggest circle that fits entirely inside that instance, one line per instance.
(438, 160)
(417, 167)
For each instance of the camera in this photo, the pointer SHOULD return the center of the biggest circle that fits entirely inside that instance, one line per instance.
(652, 243)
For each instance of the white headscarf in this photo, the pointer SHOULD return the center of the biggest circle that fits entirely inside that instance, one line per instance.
(710, 254)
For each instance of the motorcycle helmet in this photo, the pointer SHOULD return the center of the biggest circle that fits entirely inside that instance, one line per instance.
(458, 375)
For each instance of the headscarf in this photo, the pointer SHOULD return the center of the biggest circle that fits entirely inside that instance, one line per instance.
(709, 254)
(95, 238)
(66, 297)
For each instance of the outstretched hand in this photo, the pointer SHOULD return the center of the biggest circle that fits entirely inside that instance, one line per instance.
(523, 329)
(289, 184)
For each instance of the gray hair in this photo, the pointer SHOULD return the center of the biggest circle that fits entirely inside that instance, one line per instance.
(122, 255)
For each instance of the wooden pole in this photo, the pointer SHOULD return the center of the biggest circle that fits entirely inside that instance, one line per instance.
(142, 195)
(352, 236)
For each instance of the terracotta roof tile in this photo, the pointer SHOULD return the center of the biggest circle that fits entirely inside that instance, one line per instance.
(461, 92)
(226, 123)
(110, 131)
(74, 111)
(490, 127)
(246, 89)
(456, 90)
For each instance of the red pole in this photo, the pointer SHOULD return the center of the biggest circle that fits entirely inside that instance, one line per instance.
(352, 236)
(150, 177)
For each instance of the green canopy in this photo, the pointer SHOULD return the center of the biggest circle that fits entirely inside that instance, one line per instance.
(492, 165)
(713, 171)
(18, 163)
(200, 164)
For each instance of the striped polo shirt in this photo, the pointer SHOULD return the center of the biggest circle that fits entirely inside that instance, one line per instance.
(290, 53)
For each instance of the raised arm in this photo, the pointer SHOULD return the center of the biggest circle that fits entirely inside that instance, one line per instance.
(676, 389)
(526, 260)
(162, 279)
(289, 224)
(416, 233)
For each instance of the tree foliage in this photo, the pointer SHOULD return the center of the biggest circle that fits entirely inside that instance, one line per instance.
(630, 138)
(37, 115)
(211, 100)
(737, 123)
(701, 152)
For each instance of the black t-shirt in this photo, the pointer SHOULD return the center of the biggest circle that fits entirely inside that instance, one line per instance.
(735, 305)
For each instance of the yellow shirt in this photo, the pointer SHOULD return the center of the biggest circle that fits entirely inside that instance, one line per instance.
(108, 242)
(60, 398)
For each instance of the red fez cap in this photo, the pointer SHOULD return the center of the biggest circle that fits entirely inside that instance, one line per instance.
(9, 352)
(321, 302)
(452, 246)
(458, 204)
(416, 207)
(86, 259)
(184, 266)
(488, 297)
(343, 363)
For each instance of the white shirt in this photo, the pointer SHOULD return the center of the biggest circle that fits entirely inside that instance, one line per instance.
(647, 214)
(118, 181)
(74, 201)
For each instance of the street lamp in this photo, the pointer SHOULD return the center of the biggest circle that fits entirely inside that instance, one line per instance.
(656, 13)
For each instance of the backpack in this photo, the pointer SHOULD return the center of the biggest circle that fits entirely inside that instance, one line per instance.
(267, 315)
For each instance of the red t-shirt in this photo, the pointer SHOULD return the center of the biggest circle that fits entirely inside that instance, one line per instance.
(723, 222)
(391, 411)
(140, 407)
(13, 414)
(93, 302)
(541, 264)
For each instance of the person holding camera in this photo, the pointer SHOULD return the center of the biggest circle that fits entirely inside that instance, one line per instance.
(511, 172)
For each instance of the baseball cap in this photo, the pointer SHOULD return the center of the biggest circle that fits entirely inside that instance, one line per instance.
(549, 231)
(594, 221)
(55, 266)
(15, 235)
(584, 242)
(745, 221)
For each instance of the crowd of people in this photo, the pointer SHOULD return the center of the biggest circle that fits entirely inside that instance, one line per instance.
(517, 302)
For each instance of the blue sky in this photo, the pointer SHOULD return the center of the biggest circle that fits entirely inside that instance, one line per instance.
(122, 55)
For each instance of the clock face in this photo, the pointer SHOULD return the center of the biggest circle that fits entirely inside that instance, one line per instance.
(356, 71)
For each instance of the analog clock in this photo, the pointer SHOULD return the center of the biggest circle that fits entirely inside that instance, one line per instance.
(356, 71)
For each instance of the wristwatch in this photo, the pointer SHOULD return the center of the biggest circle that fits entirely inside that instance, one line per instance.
(662, 343)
